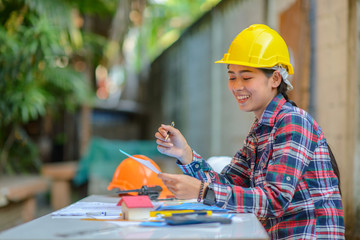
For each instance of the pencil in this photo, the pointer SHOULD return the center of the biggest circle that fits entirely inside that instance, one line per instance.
(168, 134)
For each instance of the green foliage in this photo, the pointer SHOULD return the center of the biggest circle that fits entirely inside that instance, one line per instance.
(96, 7)
(163, 23)
(94, 47)
(37, 38)
(23, 152)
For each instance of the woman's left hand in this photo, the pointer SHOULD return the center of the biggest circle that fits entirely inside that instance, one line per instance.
(182, 186)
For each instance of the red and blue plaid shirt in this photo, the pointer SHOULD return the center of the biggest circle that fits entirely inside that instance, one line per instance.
(283, 175)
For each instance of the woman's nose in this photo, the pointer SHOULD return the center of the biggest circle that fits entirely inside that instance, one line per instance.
(238, 84)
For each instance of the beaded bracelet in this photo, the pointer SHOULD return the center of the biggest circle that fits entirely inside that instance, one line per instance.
(201, 191)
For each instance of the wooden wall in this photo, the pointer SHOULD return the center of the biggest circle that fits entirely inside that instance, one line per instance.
(337, 92)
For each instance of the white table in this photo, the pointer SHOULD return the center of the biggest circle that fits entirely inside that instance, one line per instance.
(47, 227)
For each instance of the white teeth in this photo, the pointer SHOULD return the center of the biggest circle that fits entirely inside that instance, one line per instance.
(242, 97)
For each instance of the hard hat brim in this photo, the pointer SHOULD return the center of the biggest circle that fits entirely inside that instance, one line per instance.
(289, 67)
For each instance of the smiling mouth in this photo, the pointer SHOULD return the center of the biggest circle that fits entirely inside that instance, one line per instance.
(242, 98)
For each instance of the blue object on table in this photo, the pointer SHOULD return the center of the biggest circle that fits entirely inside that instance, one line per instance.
(153, 224)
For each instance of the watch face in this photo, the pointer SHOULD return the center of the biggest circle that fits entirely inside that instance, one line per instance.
(209, 198)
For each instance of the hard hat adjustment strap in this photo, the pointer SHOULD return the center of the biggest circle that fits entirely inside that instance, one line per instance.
(284, 74)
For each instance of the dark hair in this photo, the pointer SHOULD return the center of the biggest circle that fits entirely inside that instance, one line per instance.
(282, 88)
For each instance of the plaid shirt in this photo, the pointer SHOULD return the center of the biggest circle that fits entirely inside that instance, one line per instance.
(283, 175)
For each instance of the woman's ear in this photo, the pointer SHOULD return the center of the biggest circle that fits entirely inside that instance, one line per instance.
(276, 79)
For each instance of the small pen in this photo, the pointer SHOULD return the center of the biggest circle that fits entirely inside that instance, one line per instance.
(104, 214)
(168, 134)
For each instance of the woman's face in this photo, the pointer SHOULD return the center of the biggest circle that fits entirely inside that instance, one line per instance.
(252, 89)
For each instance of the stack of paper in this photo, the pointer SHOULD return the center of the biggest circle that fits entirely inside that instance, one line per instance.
(90, 209)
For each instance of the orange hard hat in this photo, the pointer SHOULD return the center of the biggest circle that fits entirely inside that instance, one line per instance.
(130, 174)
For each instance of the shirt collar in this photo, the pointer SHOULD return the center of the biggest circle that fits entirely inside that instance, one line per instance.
(269, 115)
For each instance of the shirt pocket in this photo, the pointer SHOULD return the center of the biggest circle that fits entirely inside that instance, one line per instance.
(261, 168)
(265, 158)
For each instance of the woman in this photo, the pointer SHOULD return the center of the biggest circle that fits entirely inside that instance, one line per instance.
(285, 173)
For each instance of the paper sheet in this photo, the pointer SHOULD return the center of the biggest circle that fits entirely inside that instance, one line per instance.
(143, 162)
(89, 210)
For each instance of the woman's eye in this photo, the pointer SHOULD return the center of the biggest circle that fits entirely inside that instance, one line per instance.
(246, 78)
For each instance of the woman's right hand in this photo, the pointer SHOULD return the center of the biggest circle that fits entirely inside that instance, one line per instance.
(175, 145)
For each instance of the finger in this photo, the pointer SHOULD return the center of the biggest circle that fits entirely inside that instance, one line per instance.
(172, 190)
(158, 135)
(165, 150)
(161, 140)
(169, 184)
(172, 181)
(164, 144)
(166, 176)
(162, 176)
(165, 129)
(161, 149)
(162, 133)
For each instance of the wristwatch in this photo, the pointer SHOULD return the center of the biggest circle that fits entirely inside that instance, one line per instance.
(209, 196)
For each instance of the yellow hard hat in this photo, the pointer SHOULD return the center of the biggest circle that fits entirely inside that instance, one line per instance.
(258, 46)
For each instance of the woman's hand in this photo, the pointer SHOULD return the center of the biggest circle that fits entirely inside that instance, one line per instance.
(175, 145)
(182, 186)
